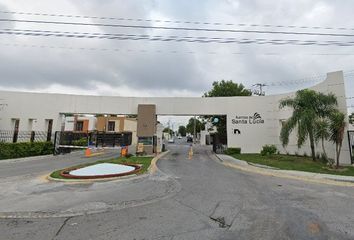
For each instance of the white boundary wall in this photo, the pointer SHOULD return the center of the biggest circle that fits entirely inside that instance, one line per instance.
(250, 137)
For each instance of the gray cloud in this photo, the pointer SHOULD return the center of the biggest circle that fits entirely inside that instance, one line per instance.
(34, 68)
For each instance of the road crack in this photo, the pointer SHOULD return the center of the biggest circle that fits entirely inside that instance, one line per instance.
(61, 227)
(221, 221)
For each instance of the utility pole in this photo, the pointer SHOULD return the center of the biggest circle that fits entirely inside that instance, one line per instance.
(195, 130)
(259, 91)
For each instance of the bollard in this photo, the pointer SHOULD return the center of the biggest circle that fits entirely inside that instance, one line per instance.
(124, 151)
(190, 153)
(88, 152)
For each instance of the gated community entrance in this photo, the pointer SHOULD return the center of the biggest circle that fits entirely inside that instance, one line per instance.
(251, 122)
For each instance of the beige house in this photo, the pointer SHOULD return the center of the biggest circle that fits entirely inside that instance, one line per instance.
(118, 124)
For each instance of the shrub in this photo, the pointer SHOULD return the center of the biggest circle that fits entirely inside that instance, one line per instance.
(324, 158)
(80, 142)
(268, 150)
(330, 162)
(26, 149)
(231, 151)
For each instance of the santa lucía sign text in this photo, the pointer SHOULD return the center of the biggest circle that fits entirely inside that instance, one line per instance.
(249, 119)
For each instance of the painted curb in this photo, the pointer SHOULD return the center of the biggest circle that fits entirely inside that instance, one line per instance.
(282, 174)
(151, 170)
(133, 176)
(153, 166)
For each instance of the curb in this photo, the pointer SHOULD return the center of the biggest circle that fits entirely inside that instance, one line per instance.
(133, 176)
(153, 166)
(281, 174)
(32, 158)
(152, 169)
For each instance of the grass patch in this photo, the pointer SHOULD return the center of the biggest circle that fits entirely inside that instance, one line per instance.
(144, 161)
(289, 162)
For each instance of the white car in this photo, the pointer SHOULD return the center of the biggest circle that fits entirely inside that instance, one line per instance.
(172, 140)
(179, 137)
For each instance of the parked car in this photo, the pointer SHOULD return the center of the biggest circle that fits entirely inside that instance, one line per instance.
(179, 137)
(172, 140)
(189, 139)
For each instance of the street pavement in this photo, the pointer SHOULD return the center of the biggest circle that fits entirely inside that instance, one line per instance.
(207, 201)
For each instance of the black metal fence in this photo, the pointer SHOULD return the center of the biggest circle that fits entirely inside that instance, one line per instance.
(218, 144)
(25, 136)
(351, 145)
(65, 142)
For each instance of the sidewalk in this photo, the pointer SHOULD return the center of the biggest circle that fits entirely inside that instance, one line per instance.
(298, 175)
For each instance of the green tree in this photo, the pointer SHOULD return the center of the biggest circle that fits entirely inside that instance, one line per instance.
(308, 106)
(190, 126)
(225, 89)
(337, 128)
(182, 131)
(168, 130)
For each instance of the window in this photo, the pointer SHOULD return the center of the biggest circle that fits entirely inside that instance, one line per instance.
(79, 126)
(145, 140)
(111, 126)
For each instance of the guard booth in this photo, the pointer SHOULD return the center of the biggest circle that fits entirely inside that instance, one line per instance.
(146, 131)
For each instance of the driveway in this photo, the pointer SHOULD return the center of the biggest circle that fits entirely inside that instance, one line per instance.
(207, 201)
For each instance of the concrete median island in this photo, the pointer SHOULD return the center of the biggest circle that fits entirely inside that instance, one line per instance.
(138, 165)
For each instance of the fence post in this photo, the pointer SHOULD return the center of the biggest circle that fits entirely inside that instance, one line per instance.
(49, 136)
(350, 147)
(15, 136)
(33, 134)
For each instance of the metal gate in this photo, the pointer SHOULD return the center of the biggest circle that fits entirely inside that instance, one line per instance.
(351, 145)
(65, 142)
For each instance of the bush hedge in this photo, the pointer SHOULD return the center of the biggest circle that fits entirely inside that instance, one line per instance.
(268, 150)
(26, 149)
(231, 151)
(80, 142)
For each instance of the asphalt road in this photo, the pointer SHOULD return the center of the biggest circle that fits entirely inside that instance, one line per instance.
(213, 202)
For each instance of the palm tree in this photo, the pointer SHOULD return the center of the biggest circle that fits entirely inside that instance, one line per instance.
(337, 128)
(322, 132)
(308, 106)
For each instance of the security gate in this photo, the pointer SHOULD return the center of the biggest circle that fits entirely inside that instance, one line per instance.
(64, 142)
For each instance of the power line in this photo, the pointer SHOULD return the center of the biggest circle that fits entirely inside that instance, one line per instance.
(174, 36)
(39, 33)
(176, 28)
(306, 80)
(175, 21)
(129, 50)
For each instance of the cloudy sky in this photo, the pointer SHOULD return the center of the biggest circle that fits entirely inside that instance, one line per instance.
(160, 68)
